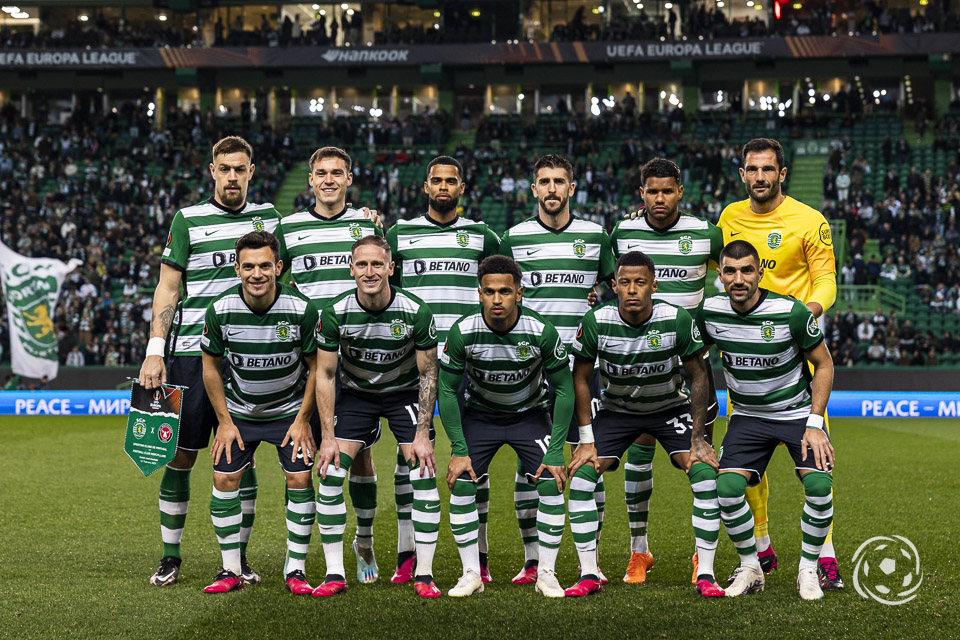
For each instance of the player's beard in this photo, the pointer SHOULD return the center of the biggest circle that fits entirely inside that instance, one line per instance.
(553, 208)
(772, 192)
(441, 206)
(231, 200)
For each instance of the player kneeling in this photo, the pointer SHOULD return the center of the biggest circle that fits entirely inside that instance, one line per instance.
(387, 342)
(509, 354)
(640, 344)
(765, 339)
(266, 331)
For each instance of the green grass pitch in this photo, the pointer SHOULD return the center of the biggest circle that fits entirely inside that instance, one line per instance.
(79, 537)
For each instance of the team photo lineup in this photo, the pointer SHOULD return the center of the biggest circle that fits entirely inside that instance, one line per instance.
(313, 331)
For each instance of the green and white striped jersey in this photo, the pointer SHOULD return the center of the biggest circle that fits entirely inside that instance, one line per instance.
(559, 268)
(438, 263)
(681, 255)
(378, 350)
(317, 250)
(639, 366)
(264, 351)
(763, 354)
(201, 246)
(506, 372)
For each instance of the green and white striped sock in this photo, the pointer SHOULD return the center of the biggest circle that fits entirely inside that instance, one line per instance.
(174, 501)
(737, 517)
(332, 515)
(248, 506)
(301, 513)
(403, 495)
(600, 497)
(483, 509)
(363, 496)
(551, 517)
(638, 487)
(584, 518)
(225, 513)
(525, 501)
(706, 514)
(426, 518)
(817, 516)
(465, 523)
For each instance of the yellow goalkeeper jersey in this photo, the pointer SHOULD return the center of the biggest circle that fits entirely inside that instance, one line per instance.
(793, 240)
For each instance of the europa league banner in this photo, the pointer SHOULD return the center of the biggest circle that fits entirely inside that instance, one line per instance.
(153, 426)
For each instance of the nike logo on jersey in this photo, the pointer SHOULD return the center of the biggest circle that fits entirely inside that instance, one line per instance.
(302, 237)
(631, 246)
(530, 252)
(718, 331)
(612, 344)
(414, 240)
(209, 233)
(234, 334)
(734, 233)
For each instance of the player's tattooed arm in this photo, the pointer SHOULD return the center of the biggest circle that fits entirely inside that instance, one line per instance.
(165, 300)
(700, 450)
(422, 449)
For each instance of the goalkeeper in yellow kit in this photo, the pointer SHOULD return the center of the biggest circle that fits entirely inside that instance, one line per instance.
(796, 254)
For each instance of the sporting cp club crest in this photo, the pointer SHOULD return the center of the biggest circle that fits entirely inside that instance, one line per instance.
(258, 224)
(685, 244)
(767, 331)
(140, 428)
(654, 341)
(355, 231)
(398, 329)
(165, 432)
(524, 351)
(283, 331)
(463, 238)
(774, 238)
(579, 247)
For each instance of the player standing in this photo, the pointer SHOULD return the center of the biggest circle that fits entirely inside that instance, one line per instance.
(200, 252)
(562, 258)
(640, 343)
(315, 243)
(508, 354)
(387, 340)
(266, 331)
(796, 253)
(683, 248)
(436, 258)
(766, 340)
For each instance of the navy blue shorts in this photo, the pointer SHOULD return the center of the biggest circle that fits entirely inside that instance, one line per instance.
(750, 442)
(272, 432)
(197, 417)
(614, 432)
(528, 433)
(358, 416)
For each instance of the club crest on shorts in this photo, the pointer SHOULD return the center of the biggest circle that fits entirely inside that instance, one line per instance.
(140, 428)
(355, 230)
(654, 340)
(463, 238)
(774, 238)
(283, 331)
(398, 329)
(524, 351)
(257, 223)
(685, 244)
(165, 433)
(767, 331)
(579, 247)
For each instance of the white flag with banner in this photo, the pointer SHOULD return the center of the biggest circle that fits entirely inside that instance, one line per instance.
(31, 287)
